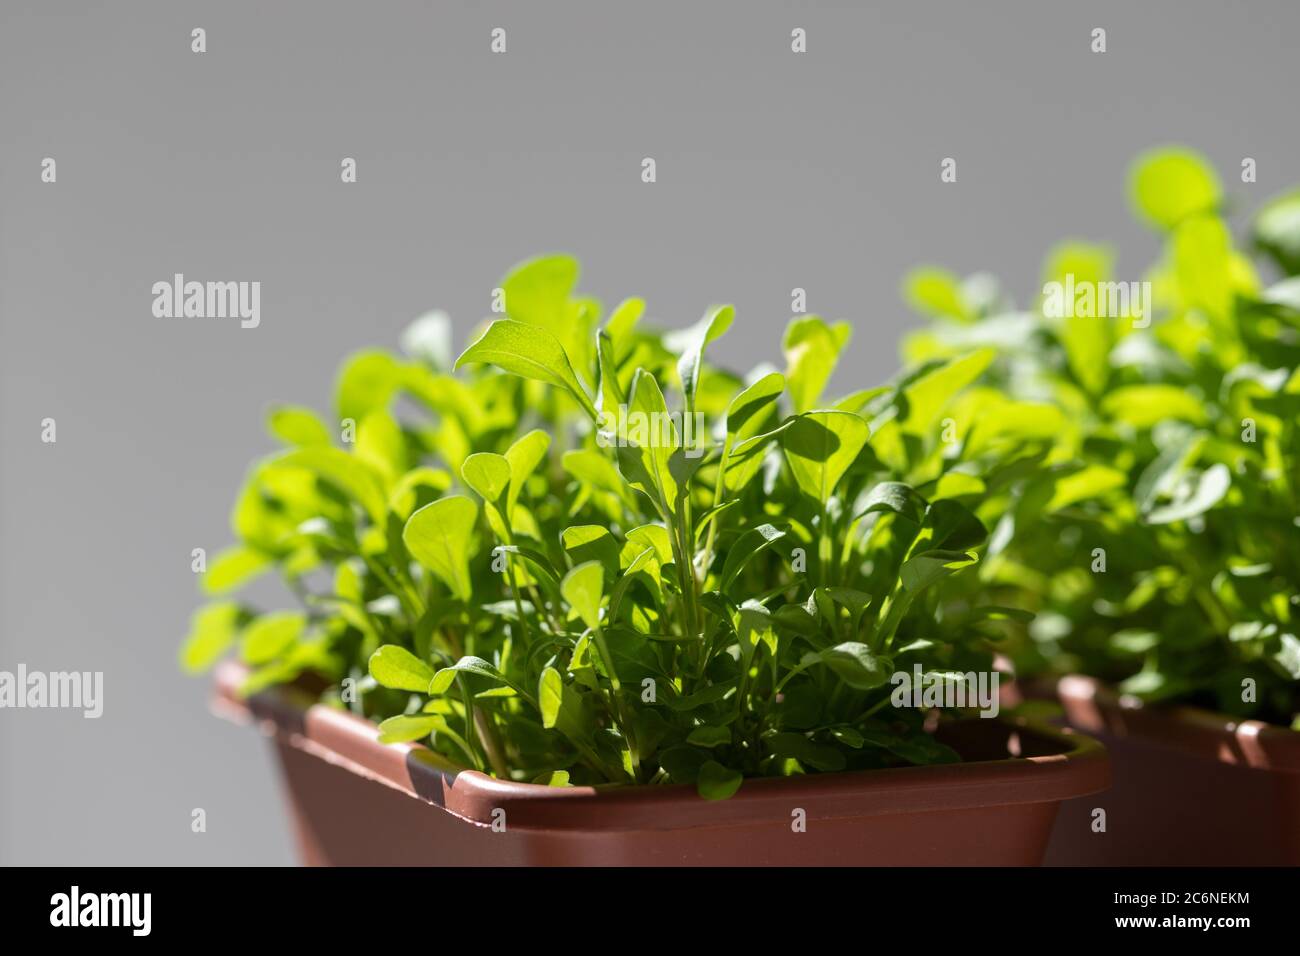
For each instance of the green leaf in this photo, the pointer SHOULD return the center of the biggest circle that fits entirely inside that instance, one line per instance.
(271, 635)
(856, 665)
(931, 392)
(595, 469)
(298, 426)
(560, 707)
(213, 631)
(1211, 487)
(381, 445)
(924, 569)
(820, 447)
(812, 349)
(936, 293)
(1088, 334)
(488, 474)
(583, 588)
(397, 668)
(1170, 184)
(745, 459)
(901, 499)
(1144, 406)
(405, 494)
(749, 409)
(714, 324)
(1277, 231)
(610, 395)
(438, 536)
(799, 747)
(524, 456)
(441, 681)
(951, 525)
(366, 383)
(349, 474)
(405, 728)
(745, 549)
(592, 542)
(652, 536)
(1287, 656)
(716, 782)
(1091, 481)
(550, 695)
(1203, 264)
(644, 458)
(233, 568)
(528, 351)
(538, 291)
(707, 736)
(537, 561)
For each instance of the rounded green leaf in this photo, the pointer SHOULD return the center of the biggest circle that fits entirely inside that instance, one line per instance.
(812, 350)
(745, 549)
(709, 736)
(405, 728)
(550, 696)
(857, 666)
(488, 474)
(271, 635)
(298, 426)
(936, 293)
(366, 382)
(439, 535)
(213, 630)
(524, 456)
(922, 570)
(397, 668)
(592, 542)
(233, 568)
(820, 447)
(930, 393)
(748, 410)
(538, 291)
(716, 782)
(528, 351)
(583, 588)
(349, 474)
(446, 676)
(1169, 185)
(1144, 406)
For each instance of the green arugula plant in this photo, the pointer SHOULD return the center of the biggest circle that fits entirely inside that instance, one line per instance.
(1160, 541)
(529, 561)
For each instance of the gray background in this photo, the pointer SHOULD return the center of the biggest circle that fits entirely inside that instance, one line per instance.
(775, 171)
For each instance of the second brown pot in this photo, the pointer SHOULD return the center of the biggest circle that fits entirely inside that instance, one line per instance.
(1191, 787)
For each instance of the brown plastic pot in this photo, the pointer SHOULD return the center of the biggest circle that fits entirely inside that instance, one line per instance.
(358, 802)
(1192, 788)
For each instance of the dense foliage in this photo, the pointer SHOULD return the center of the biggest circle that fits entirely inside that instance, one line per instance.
(1172, 567)
(556, 581)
